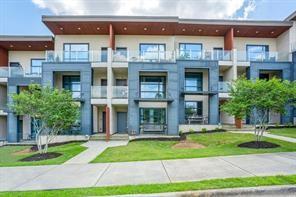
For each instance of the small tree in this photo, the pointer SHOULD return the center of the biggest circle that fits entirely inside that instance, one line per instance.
(256, 98)
(51, 110)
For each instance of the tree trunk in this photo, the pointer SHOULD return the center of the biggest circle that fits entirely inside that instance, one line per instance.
(238, 123)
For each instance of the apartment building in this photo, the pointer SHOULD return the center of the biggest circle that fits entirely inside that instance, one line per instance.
(144, 75)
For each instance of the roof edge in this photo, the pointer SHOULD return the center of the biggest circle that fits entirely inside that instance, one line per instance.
(26, 38)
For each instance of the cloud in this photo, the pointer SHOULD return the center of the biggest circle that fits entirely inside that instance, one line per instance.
(220, 9)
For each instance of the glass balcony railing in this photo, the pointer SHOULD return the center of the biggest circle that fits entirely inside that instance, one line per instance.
(99, 91)
(244, 56)
(76, 56)
(220, 55)
(224, 86)
(6, 72)
(144, 56)
(119, 91)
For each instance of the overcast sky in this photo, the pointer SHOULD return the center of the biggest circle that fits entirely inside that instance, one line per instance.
(24, 16)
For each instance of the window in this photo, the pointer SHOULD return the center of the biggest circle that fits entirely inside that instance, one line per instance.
(152, 87)
(193, 82)
(190, 51)
(257, 52)
(72, 83)
(153, 116)
(218, 53)
(122, 51)
(152, 51)
(104, 54)
(76, 52)
(36, 66)
(193, 108)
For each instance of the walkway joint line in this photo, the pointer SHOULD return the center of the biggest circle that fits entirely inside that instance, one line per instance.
(238, 167)
(99, 178)
(166, 171)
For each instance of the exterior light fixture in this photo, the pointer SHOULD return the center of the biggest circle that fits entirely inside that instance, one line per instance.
(11, 46)
(29, 46)
(272, 32)
(183, 29)
(257, 32)
(163, 29)
(217, 30)
(45, 46)
(237, 31)
(199, 30)
(145, 29)
(78, 28)
(61, 28)
(98, 28)
(125, 28)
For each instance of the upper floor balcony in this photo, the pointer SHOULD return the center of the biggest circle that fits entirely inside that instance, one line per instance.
(122, 56)
(224, 86)
(268, 56)
(6, 72)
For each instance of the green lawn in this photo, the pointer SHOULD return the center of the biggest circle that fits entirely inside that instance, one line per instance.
(8, 156)
(160, 188)
(217, 144)
(287, 132)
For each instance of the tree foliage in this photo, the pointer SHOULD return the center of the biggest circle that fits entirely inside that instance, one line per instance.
(256, 98)
(51, 110)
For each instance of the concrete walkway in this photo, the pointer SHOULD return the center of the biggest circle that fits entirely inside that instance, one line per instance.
(266, 134)
(94, 148)
(145, 172)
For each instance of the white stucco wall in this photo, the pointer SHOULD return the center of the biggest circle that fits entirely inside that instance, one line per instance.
(24, 58)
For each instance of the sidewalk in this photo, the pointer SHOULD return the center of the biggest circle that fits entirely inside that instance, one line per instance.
(266, 134)
(94, 149)
(145, 172)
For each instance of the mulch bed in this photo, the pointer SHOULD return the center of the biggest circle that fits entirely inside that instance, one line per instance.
(34, 148)
(40, 157)
(261, 144)
(188, 144)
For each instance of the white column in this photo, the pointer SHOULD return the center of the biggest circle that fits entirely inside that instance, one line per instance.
(109, 87)
(234, 63)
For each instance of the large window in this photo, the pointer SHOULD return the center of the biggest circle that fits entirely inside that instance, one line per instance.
(104, 54)
(193, 108)
(72, 83)
(191, 51)
(257, 52)
(152, 51)
(152, 119)
(193, 82)
(76, 52)
(152, 87)
(36, 66)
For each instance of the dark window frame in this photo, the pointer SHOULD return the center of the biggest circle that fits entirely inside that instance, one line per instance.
(191, 43)
(70, 59)
(41, 59)
(198, 109)
(164, 112)
(198, 88)
(70, 82)
(257, 45)
(163, 92)
(158, 51)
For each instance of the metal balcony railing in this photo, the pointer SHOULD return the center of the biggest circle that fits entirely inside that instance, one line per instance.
(99, 91)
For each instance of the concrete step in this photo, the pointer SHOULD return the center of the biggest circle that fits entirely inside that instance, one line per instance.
(102, 137)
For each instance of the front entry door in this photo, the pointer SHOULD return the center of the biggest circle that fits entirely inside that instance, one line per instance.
(121, 122)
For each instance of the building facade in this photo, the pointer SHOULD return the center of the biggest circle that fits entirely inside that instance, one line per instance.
(144, 75)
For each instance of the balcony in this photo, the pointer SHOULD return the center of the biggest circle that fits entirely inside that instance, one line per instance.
(144, 56)
(244, 56)
(99, 92)
(219, 55)
(6, 72)
(76, 56)
(224, 86)
(120, 92)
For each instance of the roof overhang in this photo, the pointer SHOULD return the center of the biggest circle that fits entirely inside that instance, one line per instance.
(144, 25)
(26, 43)
(291, 17)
